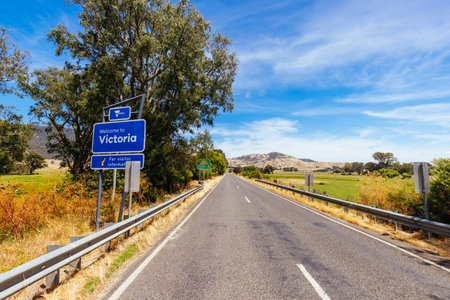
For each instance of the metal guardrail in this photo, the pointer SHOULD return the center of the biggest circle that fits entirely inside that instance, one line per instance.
(416, 222)
(24, 275)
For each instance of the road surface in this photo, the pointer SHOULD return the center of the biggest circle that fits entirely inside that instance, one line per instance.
(244, 242)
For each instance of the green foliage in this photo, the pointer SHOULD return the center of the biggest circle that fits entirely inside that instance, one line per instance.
(13, 65)
(357, 167)
(14, 136)
(371, 166)
(253, 172)
(63, 100)
(119, 260)
(218, 163)
(238, 170)
(391, 195)
(290, 169)
(348, 168)
(164, 50)
(439, 196)
(92, 284)
(388, 173)
(34, 160)
(385, 159)
(268, 169)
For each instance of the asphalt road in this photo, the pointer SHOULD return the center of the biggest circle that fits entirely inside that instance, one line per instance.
(243, 242)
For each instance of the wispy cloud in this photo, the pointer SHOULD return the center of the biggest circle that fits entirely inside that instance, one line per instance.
(437, 113)
(354, 43)
(287, 137)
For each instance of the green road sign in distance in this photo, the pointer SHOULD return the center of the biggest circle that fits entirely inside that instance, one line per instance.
(203, 164)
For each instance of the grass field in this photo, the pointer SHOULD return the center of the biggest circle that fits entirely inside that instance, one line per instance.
(42, 178)
(334, 185)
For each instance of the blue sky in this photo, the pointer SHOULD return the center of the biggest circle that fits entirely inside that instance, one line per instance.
(326, 80)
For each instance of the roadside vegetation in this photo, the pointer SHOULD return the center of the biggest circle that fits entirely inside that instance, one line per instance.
(113, 57)
(386, 184)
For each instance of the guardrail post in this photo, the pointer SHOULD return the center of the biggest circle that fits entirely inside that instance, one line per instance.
(52, 280)
(375, 217)
(140, 226)
(107, 246)
(75, 265)
(396, 224)
(126, 234)
(345, 207)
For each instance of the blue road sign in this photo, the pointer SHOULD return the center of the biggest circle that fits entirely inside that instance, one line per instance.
(117, 137)
(120, 113)
(115, 161)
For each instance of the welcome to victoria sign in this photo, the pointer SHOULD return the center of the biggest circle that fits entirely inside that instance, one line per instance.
(118, 137)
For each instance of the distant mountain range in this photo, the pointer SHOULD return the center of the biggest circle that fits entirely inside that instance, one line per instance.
(39, 140)
(279, 161)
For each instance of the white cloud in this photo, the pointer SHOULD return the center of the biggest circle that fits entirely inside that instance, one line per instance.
(437, 113)
(396, 97)
(259, 137)
(354, 43)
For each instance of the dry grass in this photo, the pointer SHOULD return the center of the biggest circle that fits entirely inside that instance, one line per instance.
(87, 283)
(440, 246)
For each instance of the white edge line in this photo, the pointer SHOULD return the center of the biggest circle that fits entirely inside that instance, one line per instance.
(141, 267)
(354, 229)
(247, 199)
(314, 283)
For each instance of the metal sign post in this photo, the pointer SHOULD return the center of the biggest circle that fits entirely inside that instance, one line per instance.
(309, 181)
(203, 165)
(422, 182)
(119, 137)
(132, 180)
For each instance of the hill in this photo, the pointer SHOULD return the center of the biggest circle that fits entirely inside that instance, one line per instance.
(39, 140)
(280, 161)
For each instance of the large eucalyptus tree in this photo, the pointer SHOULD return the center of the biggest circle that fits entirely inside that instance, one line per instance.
(164, 50)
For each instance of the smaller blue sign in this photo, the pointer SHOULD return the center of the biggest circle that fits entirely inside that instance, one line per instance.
(119, 137)
(115, 161)
(120, 113)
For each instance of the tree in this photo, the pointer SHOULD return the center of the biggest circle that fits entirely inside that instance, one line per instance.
(385, 159)
(202, 143)
(13, 65)
(237, 170)
(405, 168)
(14, 137)
(64, 101)
(439, 196)
(218, 163)
(348, 168)
(357, 167)
(371, 166)
(268, 169)
(128, 47)
(34, 161)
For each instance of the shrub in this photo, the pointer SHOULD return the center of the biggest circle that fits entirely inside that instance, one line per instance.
(391, 195)
(439, 197)
(406, 175)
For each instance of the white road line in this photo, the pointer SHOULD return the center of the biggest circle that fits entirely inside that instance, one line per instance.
(247, 199)
(237, 186)
(314, 283)
(359, 231)
(133, 276)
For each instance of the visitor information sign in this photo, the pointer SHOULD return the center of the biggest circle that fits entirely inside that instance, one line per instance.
(115, 161)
